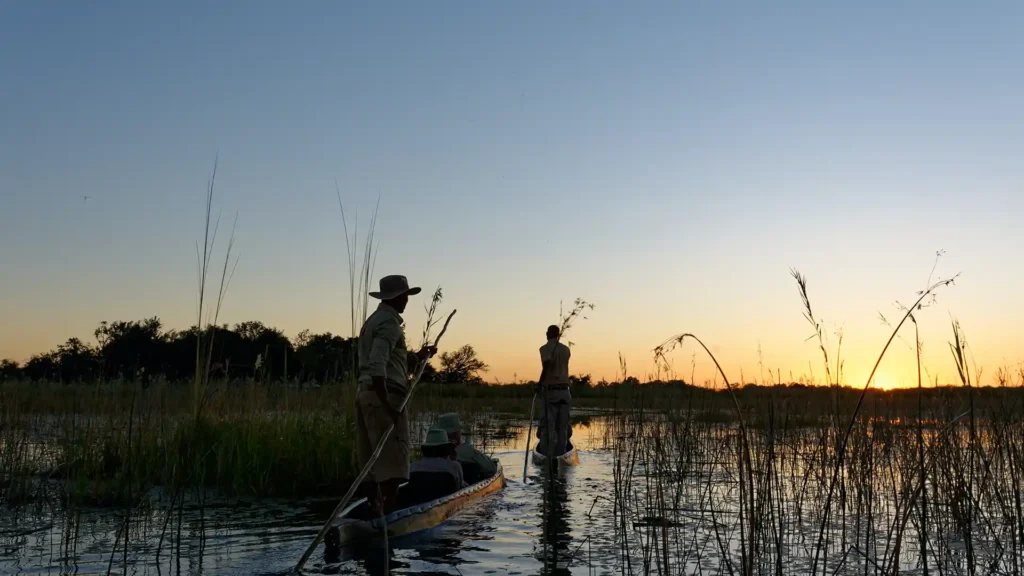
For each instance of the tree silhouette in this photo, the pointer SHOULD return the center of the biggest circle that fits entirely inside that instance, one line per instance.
(324, 357)
(77, 361)
(42, 367)
(461, 366)
(581, 381)
(9, 370)
(131, 349)
(141, 350)
(266, 349)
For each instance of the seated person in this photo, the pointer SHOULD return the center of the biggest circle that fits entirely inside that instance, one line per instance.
(438, 457)
(470, 458)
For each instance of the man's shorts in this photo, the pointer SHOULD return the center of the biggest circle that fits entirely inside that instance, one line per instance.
(372, 421)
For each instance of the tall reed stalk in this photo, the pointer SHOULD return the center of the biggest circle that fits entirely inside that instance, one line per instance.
(844, 439)
(360, 262)
(748, 517)
(204, 312)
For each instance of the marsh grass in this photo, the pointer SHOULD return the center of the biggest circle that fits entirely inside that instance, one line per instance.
(359, 269)
(874, 482)
(98, 445)
(745, 479)
(677, 489)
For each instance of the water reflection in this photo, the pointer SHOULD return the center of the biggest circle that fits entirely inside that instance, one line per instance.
(556, 535)
(378, 562)
(577, 523)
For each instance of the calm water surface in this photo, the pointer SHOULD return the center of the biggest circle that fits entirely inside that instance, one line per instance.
(515, 531)
(524, 530)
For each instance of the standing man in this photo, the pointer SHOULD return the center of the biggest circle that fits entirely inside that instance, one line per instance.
(383, 384)
(553, 386)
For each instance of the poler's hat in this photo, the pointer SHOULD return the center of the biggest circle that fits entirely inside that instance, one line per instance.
(450, 423)
(394, 286)
(436, 437)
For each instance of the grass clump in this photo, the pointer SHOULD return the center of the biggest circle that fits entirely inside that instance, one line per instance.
(249, 441)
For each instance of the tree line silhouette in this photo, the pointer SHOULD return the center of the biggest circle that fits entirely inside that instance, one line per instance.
(143, 350)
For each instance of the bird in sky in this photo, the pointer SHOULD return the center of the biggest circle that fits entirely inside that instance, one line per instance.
(86, 198)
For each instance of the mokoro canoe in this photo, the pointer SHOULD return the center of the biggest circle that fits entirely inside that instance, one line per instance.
(570, 458)
(353, 526)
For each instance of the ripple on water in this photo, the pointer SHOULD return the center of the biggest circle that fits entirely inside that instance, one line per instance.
(504, 533)
(521, 530)
(501, 534)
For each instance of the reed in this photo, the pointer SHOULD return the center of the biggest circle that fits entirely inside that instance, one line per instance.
(878, 482)
(729, 477)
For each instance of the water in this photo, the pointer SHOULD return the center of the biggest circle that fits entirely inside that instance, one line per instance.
(679, 492)
(516, 531)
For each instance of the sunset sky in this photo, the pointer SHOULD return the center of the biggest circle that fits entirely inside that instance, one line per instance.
(668, 162)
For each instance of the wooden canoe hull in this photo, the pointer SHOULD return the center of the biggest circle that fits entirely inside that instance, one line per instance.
(570, 458)
(415, 519)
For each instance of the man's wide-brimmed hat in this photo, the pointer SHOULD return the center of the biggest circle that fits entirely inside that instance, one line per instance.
(450, 423)
(393, 287)
(436, 437)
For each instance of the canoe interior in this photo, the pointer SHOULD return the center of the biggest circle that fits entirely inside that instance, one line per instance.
(355, 524)
(570, 458)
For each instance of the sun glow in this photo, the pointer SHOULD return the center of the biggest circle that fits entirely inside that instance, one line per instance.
(884, 382)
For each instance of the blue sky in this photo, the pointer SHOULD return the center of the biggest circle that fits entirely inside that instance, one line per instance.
(667, 161)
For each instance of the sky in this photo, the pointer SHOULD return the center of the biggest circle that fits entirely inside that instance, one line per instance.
(669, 162)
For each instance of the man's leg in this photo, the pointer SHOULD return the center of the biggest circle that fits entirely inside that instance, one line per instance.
(389, 494)
(550, 442)
(563, 427)
(364, 450)
(541, 424)
(393, 463)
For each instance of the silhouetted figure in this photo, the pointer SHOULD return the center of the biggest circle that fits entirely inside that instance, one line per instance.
(383, 385)
(553, 386)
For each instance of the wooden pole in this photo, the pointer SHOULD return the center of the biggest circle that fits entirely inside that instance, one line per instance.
(529, 437)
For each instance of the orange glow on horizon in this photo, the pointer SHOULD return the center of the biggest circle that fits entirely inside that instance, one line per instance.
(885, 383)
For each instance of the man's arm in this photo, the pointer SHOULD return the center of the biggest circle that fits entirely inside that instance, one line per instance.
(380, 388)
(547, 367)
(461, 477)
